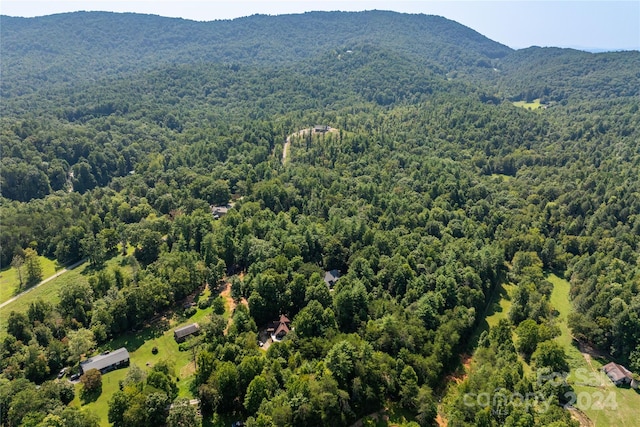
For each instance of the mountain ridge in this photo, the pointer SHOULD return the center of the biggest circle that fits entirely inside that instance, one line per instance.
(86, 44)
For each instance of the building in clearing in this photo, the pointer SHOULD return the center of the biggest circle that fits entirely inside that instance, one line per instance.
(618, 374)
(321, 128)
(279, 329)
(331, 277)
(107, 361)
(182, 333)
(220, 211)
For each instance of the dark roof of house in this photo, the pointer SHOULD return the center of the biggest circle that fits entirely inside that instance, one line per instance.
(186, 330)
(284, 319)
(102, 361)
(330, 277)
(282, 327)
(617, 372)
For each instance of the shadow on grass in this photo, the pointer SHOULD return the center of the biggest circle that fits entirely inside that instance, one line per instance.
(492, 308)
(219, 420)
(89, 397)
(58, 265)
(91, 269)
(134, 340)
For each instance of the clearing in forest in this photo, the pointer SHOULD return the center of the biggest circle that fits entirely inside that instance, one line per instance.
(595, 396)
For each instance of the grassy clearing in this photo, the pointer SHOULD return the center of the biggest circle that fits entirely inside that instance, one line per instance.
(140, 345)
(609, 405)
(529, 105)
(560, 302)
(501, 177)
(392, 415)
(604, 403)
(10, 281)
(500, 308)
(48, 292)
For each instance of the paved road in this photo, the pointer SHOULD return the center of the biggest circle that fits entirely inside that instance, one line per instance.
(64, 270)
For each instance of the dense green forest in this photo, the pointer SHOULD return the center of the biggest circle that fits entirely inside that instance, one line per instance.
(432, 190)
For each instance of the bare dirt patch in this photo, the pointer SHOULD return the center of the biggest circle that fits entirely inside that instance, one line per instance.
(581, 417)
(441, 421)
(461, 374)
(229, 302)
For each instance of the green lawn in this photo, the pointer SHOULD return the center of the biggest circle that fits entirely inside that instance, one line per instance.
(392, 415)
(604, 403)
(10, 282)
(100, 407)
(560, 302)
(139, 345)
(500, 307)
(48, 292)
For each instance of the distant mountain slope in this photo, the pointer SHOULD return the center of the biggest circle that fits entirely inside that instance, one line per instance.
(554, 74)
(84, 45)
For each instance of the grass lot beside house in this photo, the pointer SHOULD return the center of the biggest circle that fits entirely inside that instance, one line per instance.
(100, 407)
(140, 345)
(596, 396)
(10, 281)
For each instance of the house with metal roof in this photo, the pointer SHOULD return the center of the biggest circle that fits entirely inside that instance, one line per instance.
(107, 361)
(181, 334)
(220, 211)
(331, 277)
(618, 374)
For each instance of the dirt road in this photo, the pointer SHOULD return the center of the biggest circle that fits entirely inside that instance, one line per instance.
(287, 144)
(302, 132)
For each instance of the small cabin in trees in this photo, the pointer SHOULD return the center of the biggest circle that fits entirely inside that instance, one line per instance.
(618, 374)
(320, 128)
(182, 333)
(219, 211)
(279, 329)
(331, 277)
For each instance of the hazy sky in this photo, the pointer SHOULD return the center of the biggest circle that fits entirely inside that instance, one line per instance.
(581, 24)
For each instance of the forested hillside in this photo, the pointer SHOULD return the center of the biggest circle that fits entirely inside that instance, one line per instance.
(82, 46)
(120, 132)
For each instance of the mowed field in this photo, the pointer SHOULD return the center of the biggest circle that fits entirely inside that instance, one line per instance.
(10, 280)
(49, 292)
(158, 334)
(596, 396)
(533, 105)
